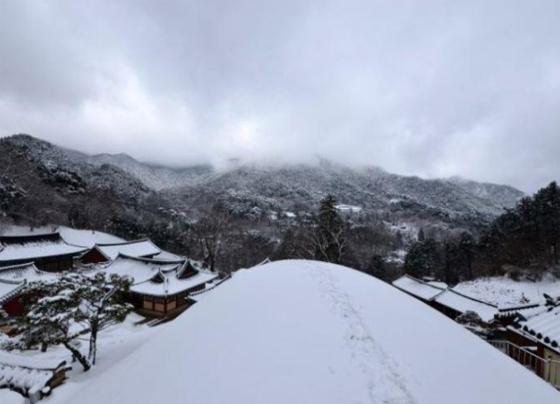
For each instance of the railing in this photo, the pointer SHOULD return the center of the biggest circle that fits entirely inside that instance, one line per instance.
(547, 369)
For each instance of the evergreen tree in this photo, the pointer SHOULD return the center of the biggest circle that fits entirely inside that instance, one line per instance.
(467, 245)
(415, 261)
(526, 236)
(450, 273)
(94, 302)
(329, 237)
(423, 259)
(377, 267)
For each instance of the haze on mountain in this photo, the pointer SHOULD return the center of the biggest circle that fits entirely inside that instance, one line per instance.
(436, 89)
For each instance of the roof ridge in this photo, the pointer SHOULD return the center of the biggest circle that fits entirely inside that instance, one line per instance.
(30, 235)
(16, 266)
(150, 260)
(425, 283)
(140, 240)
(472, 298)
(12, 282)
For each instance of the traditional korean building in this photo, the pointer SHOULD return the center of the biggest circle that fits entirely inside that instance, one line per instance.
(12, 283)
(453, 304)
(423, 290)
(509, 315)
(536, 333)
(161, 287)
(445, 299)
(100, 253)
(49, 252)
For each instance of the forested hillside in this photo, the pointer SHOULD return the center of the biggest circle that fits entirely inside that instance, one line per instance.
(237, 217)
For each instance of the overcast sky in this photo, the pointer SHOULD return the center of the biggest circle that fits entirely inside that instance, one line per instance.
(432, 88)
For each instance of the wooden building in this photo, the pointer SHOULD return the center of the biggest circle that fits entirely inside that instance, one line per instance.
(160, 287)
(49, 252)
(101, 253)
(444, 299)
(12, 284)
(453, 304)
(537, 330)
(423, 290)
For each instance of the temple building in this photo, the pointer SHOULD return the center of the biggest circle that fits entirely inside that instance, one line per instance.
(49, 252)
(100, 253)
(12, 283)
(160, 286)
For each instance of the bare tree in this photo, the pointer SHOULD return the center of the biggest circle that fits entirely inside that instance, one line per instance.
(212, 231)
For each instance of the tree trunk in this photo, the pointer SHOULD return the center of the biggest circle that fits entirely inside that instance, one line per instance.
(78, 355)
(93, 344)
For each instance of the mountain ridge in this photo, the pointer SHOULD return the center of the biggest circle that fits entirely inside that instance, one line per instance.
(275, 188)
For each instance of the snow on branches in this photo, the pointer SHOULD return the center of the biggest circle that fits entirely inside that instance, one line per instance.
(74, 305)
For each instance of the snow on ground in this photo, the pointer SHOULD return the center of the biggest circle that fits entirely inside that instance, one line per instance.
(504, 291)
(11, 397)
(114, 345)
(308, 332)
(84, 238)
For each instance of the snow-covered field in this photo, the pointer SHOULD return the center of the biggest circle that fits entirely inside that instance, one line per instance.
(504, 291)
(304, 332)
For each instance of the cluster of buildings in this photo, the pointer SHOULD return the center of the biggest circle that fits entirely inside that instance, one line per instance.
(528, 333)
(163, 283)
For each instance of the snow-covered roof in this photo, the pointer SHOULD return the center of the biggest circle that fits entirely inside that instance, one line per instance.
(31, 247)
(136, 248)
(172, 284)
(416, 287)
(15, 277)
(524, 310)
(543, 326)
(157, 277)
(9, 289)
(27, 374)
(462, 303)
(307, 332)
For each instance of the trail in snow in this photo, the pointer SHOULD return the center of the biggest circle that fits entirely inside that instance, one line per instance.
(385, 383)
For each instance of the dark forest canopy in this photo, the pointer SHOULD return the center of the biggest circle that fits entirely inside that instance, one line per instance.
(525, 239)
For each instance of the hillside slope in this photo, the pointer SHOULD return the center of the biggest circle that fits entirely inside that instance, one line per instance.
(300, 188)
(156, 177)
(41, 185)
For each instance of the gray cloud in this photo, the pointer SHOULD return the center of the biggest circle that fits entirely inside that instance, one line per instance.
(433, 88)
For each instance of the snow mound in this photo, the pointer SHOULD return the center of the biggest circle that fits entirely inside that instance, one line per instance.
(11, 397)
(309, 332)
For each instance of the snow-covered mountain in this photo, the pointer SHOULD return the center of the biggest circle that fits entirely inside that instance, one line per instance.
(29, 159)
(258, 191)
(156, 177)
(293, 187)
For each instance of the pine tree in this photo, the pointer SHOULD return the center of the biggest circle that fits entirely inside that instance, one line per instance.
(415, 261)
(329, 237)
(94, 302)
(450, 273)
(423, 258)
(377, 267)
(526, 236)
(467, 245)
